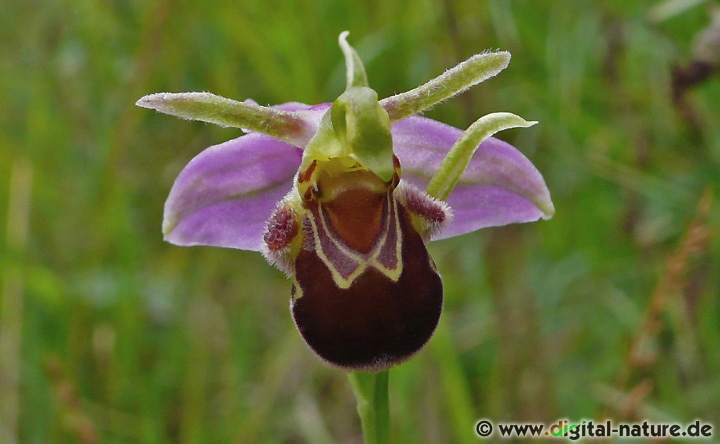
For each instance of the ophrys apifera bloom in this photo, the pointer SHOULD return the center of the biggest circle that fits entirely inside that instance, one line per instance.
(344, 198)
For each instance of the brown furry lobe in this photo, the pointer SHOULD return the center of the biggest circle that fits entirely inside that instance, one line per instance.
(431, 215)
(281, 229)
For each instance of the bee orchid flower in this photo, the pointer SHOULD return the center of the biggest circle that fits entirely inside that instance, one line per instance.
(345, 196)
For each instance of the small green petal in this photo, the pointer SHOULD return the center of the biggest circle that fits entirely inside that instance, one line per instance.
(458, 158)
(355, 70)
(363, 127)
(472, 71)
(206, 107)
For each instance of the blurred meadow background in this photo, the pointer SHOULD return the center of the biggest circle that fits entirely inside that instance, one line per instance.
(609, 310)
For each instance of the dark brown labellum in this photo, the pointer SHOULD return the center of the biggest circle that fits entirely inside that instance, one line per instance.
(382, 313)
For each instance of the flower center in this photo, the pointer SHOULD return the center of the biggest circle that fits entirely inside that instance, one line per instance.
(353, 202)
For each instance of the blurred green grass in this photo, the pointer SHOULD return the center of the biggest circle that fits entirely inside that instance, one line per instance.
(119, 337)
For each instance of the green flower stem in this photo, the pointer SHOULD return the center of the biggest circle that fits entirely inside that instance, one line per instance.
(458, 158)
(472, 71)
(207, 107)
(371, 394)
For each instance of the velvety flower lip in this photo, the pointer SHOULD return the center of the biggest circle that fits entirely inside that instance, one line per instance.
(225, 194)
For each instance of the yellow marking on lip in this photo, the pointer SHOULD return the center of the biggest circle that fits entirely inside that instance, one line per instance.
(364, 261)
(339, 279)
(392, 273)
